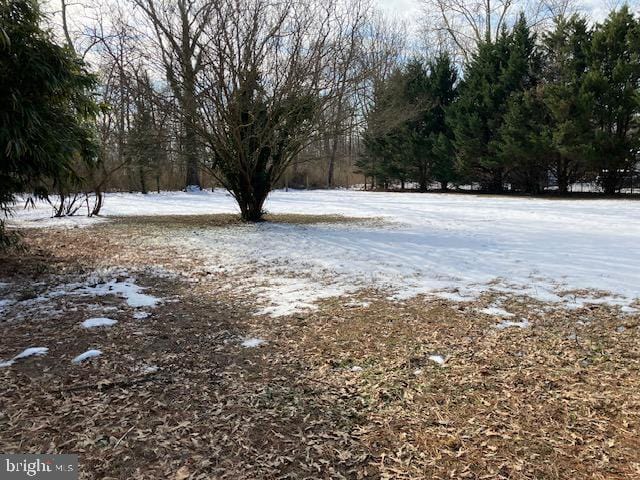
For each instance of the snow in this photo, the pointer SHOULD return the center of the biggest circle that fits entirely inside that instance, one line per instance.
(508, 324)
(357, 304)
(439, 359)
(32, 352)
(496, 312)
(26, 353)
(86, 355)
(356, 368)
(452, 246)
(127, 290)
(253, 342)
(285, 296)
(6, 303)
(53, 302)
(98, 322)
(141, 315)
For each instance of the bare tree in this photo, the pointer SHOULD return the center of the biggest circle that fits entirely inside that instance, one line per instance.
(350, 38)
(460, 25)
(178, 27)
(267, 81)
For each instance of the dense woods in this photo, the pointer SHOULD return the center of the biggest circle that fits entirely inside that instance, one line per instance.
(531, 111)
(144, 95)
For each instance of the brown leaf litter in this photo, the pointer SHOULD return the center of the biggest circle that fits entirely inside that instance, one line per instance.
(348, 391)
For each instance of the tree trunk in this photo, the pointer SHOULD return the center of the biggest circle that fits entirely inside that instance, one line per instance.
(423, 180)
(562, 175)
(251, 207)
(610, 182)
(492, 182)
(251, 193)
(143, 183)
(332, 162)
(191, 139)
(497, 184)
(98, 205)
(562, 178)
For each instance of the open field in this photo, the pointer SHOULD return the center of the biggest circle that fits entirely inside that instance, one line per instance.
(465, 338)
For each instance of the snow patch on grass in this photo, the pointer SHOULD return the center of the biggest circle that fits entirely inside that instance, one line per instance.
(26, 353)
(450, 246)
(253, 342)
(86, 356)
(496, 312)
(98, 322)
(509, 324)
(99, 284)
(357, 304)
(127, 290)
(5, 303)
(286, 296)
(439, 359)
(32, 352)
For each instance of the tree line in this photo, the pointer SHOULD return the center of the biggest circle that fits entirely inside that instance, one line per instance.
(249, 95)
(529, 110)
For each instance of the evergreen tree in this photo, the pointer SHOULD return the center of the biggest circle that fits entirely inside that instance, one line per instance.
(613, 81)
(443, 79)
(46, 106)
(390, 140)
(565, 54)
(499, 69)
(525, 140)
(416, 96)
(476, 113)
(407, 132)
(521, 144)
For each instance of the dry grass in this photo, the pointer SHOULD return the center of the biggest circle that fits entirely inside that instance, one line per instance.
(224, 219)
(557, 400)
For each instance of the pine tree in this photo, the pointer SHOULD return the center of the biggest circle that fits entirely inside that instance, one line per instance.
(443, 79)
(509, 65)
(613, 81)
(393, 139)
(477, 113)
(416, 95)
(565, 54)
(525, 140)
(46, 106)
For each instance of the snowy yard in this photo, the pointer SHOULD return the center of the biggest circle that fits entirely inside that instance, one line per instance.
(450, 246)
(352, 335)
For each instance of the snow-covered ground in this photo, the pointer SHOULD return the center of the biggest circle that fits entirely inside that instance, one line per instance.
(453, 246)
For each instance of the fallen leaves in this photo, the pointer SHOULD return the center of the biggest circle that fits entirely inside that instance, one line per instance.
(182, 473)
(521, 404)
